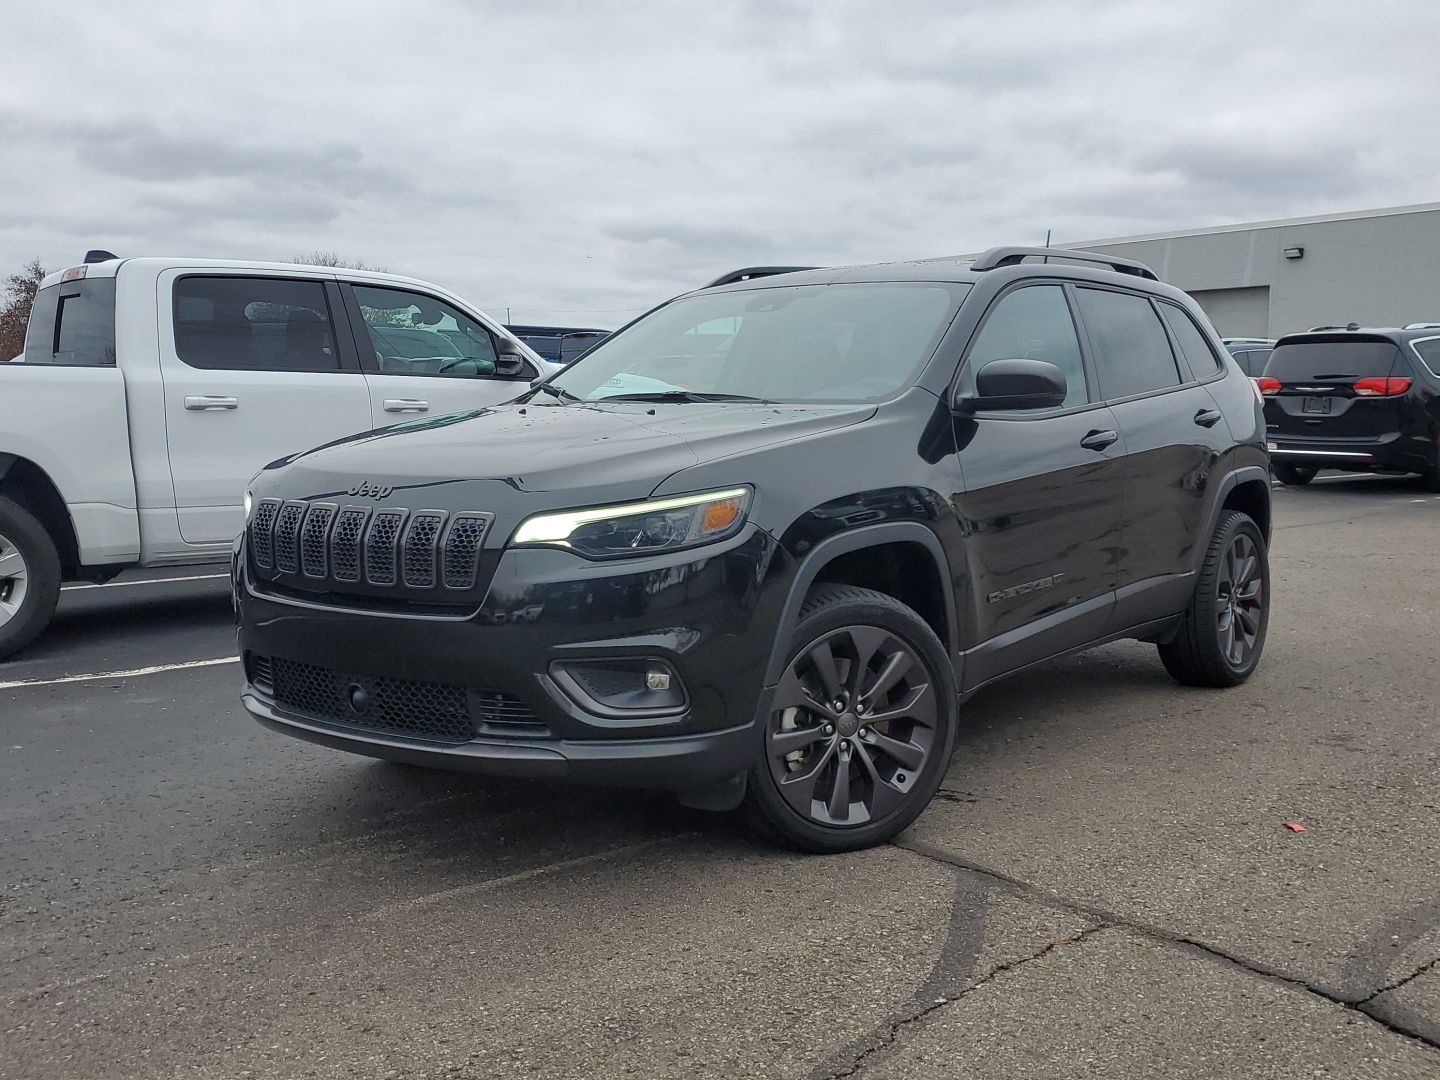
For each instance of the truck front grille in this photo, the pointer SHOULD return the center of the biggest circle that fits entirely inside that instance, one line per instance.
(423, 555)
(423, 710)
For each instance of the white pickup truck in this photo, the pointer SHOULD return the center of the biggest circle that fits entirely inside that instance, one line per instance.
(150, 391)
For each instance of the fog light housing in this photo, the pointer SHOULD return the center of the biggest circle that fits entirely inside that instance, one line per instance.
(631, 688)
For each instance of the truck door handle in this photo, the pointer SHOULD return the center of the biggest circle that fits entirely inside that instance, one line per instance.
(1099, 440)
(1207, 417)
(406, 404)
(203, 404)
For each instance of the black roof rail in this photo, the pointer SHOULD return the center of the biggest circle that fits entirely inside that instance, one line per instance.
(1347, 326)
(1013, 256)
(749, 272)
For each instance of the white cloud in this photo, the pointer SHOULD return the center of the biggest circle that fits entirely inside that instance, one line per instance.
(579, 161)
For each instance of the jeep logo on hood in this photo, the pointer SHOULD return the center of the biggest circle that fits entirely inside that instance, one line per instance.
(366, 490)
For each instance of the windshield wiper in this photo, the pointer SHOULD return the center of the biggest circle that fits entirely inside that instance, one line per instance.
(682, 396)
(550, 388)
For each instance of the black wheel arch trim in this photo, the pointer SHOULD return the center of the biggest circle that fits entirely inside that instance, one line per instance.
(832, 547)
(1244, 474)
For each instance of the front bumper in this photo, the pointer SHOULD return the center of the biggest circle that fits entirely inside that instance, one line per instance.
(709, 614)
(672, 764)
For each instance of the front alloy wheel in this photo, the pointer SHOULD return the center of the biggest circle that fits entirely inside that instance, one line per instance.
(861, 725)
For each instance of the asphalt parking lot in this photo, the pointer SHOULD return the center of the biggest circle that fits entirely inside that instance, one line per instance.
(1106, 887)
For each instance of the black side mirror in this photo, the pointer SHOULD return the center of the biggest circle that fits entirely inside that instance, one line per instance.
(510, 362)
(1016, 384)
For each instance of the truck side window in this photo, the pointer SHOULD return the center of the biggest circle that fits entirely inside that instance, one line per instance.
(414, 334)
(73, 324)
(254, 324)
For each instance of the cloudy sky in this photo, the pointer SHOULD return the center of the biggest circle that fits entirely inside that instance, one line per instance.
(578, 160)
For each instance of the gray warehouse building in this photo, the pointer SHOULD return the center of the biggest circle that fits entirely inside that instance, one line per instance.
(1268, 278)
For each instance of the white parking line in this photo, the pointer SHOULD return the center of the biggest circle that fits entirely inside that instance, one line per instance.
(121, 674)
(145, 581)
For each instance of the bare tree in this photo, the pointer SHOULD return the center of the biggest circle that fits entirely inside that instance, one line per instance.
(329, 258)
(20, 292)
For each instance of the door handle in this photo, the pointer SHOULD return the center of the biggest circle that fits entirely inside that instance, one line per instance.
(406, 404)
(203, 403)
(1099, 440)
(1207, 417)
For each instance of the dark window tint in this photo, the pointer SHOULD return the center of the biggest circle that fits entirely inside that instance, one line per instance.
(1253, 362)
(415, 334)
(1193, 344)
(1306, 361)
(1034, 324)
(254, 323)
(1132, 351)
(73, 323)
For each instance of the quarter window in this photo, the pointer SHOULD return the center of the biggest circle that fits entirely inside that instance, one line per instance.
(1193, 344)
(254, 324)
(1033, 323)
(73, 323)
(414, 334)
(1132, 350)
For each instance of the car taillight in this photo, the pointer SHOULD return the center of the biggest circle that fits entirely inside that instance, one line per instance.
(1267, 385)
(1391, 387)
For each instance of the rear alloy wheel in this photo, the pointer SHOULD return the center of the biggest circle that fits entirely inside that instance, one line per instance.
(1294, 475)
(1222, 632)
(861, 726)
(29, 578)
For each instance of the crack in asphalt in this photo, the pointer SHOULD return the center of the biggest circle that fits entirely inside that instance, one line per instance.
(889, 1037)
(1393, 1020)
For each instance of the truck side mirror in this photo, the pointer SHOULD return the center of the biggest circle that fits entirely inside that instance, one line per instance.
(510, 362)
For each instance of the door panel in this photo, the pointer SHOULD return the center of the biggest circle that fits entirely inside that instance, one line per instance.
(1042, 514)
(252, 373)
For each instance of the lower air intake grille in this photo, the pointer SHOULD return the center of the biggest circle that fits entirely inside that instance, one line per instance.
(402, 707)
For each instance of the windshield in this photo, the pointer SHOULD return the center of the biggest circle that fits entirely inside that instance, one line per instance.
(801, 342)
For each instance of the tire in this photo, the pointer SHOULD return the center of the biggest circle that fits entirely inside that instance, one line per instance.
(1430, 481)
(853, 647)
(1293, 475)
(1222, 632)
(29, 578)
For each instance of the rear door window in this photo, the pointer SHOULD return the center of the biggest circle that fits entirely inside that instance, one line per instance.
(1132, 350)
(1340, 360)
(254, 324)
(73, 323)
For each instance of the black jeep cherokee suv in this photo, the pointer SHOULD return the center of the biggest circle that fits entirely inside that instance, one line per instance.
(1357, 399)
(760, 544)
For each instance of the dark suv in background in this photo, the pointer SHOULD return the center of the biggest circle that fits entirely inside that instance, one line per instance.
(1358, 399)
(760, 545)
(559, 344)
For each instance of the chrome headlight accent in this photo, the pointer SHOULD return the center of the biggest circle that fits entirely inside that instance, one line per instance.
(642, 528)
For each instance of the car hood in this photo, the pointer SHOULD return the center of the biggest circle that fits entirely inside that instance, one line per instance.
(604, 451)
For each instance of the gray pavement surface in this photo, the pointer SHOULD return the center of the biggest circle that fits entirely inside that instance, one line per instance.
(1105, 888)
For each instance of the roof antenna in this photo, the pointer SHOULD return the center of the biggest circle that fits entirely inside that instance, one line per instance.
(1047, 245)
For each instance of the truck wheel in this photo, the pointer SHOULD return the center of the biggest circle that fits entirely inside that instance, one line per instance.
(1293, 475)
(1223, 630)
(861, 727)
(29, 577)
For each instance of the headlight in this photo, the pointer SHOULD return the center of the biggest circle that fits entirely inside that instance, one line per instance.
(641, 528)
(249, 502)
